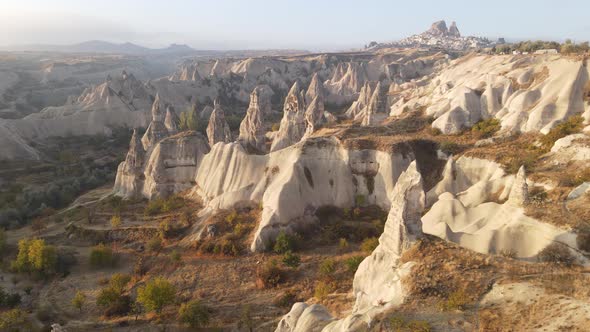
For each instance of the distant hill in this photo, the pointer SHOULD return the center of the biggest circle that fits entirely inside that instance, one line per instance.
(99, 46)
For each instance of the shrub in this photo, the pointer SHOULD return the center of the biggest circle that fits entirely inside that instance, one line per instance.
(269, 275)
(194, 314)
(508, 253)
(175, 256)
(9, 300)
(573, 125)
(102, 256)
(352, 263)
(115, 221)
(556, 253)
(322, 289)
(285, 242)
(486, 128)
(154, 244)
(450, 148)
(14, 320)
(369, 245)
(286, 299)
(35, 256)
(79, 300)
(156, 294)
(291, 260)
(246, 320)
(457, 300)
(342, 244)
(275, 127)
(327, 268)
(112, 299)
(359, 200)
(232, 217)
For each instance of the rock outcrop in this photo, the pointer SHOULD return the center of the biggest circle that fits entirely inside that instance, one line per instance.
(293, 123)
(291, 184)
(171, 122)
(167, 168)
(253, 127)
(314, 116)
(344, 88)
(157, 130)
(378, 281)
(315, 89)
(358, 108)
(454, 31)
(474, 217)
(438, 28)
(376, 111)
(218, 129)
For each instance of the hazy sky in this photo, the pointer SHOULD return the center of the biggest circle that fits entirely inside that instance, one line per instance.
(311, 24)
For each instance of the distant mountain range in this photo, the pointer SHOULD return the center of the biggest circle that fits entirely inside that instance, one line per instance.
(99, 46)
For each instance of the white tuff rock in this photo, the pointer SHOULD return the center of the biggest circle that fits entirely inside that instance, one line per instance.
(293, 123)
(218, 129)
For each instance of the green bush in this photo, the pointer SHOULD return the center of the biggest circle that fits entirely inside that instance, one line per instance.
(154, 244)
(269, 275)
(573, 125)
(556, 253)
(457, 300)
(352, 263)
(322, 289)
(359, 200)
(156, 294)
(450, 148)
(9, 300)
(116, 221)
(486, 128)
(14, 320)
(102, 256)
(291, 260)
(194, 314)
(369, 244)
(285, 242)
(327, 268)
(79, 300)
(343, 244)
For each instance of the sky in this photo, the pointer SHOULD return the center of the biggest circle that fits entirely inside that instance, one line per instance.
(264, 24)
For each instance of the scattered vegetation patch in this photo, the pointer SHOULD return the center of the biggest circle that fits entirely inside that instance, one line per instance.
(369, 245)
(291, 260)
(270, 275)
(35, 256)
(556, 253)
(398, 323)
(486, 128)
(572, 125)
(457, 300)
(323, 289)
(286, 242)
(352, 263)
(161, 205)
(228, 231)
(102, 256)
(194, 314)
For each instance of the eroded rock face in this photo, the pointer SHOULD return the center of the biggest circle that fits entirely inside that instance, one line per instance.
(253, 127)
(294, 182)
(314, 116)
(218, 129)
(377, 283)
(305, 318)
(475, 217)
(316, 89)
(376, 111)
(439, 28)
(345, 85)
(453, 30)
(171, 122)
(293, 123)
(169, 167)
(357, 109)
(157, 130)
(481, 87)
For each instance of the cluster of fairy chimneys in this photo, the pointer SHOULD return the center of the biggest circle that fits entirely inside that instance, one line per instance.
(303, 114)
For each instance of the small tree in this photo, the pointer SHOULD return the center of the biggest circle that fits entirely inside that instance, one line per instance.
(116, 221)
(156, 294)
(291, 260)
(35, 256)
(194, 313)
(284, 243)
(38, 225)
(102, 256)
(79, 300)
